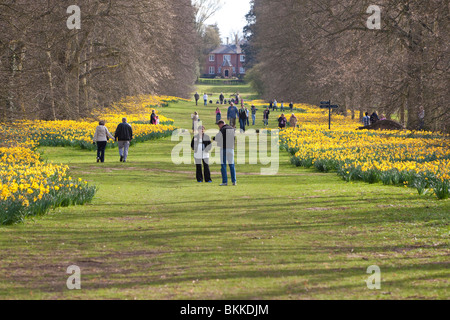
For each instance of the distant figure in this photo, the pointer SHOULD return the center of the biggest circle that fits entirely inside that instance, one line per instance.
(218, 115)
(101, 137)
(153, 118)
(196, 97)
(124, 134)
(270, 104)
(421, 118)
(201, 144)
(282, 106)
(232, 115)
(205, 98)
(282, 121)
(293, 121)
(291, 106)
(266, 117)
(275, 105)
(221, 98)
(242, 119)
(254, 114)
(374, 118)
(194, 118)
(366, 120)
(225, 140)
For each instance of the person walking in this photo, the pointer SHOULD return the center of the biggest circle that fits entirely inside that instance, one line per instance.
(225, 140)
(242, 119)
(221, 98)
(232, 115)
(293, 121)
(282, 106)
(271, 104)
(194, 118)
(153, 117)
(124, 135)
(253, 109)
(205, 98)
(366, 120)
(201, 144)
(275, 105)
(218, 115)
(282, 121)
(266, 116)
(291, 106)
(101, 138)
(196, 97)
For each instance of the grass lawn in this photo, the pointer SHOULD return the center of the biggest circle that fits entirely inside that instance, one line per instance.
(153, 232)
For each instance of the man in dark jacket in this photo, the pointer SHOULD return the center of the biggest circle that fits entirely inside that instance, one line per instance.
(196, 97)
(225, 140)
(221, 98)
(124, 134)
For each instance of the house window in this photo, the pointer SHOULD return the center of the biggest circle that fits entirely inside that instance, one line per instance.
(242, 58)
(220, 69)
(242, 70)
(234, 70)
(211, 57)
(227, 57)
(212, 70)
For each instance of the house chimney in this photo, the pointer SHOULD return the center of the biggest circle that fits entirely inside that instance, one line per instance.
(237, 41)
(228, 40)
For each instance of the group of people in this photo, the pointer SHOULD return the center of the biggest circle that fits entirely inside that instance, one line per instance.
(202, 145)
(236, 99)
(372, 119)
(273, 104)
(123, 135)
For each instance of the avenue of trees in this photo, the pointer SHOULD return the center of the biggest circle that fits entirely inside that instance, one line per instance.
(313, 50)
(123, 47)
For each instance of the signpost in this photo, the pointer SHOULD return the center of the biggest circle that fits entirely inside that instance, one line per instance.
(329, 106)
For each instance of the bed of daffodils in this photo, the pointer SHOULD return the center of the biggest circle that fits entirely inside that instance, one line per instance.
(419, 160)
(31, 187)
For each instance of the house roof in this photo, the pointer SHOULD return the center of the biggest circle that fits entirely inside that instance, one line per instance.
(228, 49)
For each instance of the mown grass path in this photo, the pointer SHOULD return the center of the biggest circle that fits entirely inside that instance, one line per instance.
(152, 232)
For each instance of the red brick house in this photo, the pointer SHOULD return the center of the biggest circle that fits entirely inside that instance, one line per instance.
(226, 61)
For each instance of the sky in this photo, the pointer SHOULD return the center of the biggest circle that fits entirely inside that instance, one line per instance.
(231, 17)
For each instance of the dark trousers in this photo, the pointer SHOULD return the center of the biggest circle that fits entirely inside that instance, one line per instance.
(199, 174)
(101, 146)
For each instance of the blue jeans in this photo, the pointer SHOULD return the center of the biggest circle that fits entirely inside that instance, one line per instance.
(227, 155)
(254, 118)
(206, 102)
(242, 124)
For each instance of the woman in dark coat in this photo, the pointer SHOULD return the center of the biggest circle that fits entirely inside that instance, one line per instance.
(201, 144)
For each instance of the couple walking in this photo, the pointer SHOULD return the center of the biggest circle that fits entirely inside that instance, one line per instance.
(123, 134)
(201, 144)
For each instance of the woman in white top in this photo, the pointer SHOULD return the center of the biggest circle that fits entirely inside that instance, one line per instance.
(101, 137)
(194, 118)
